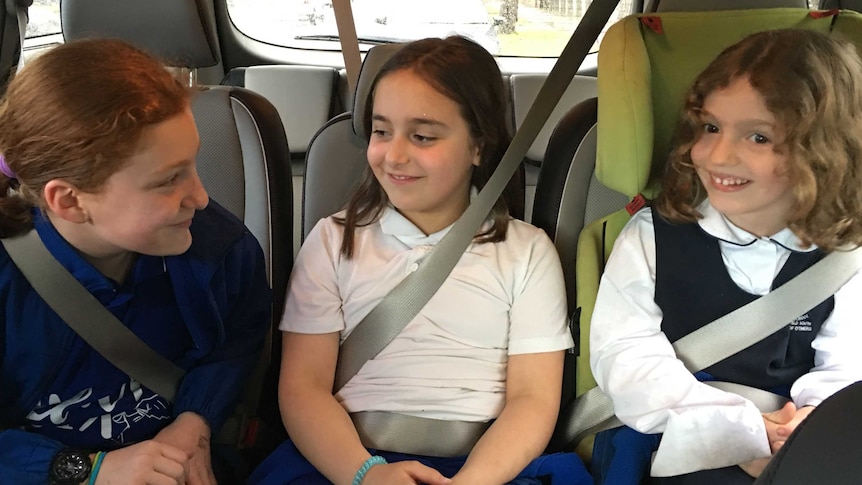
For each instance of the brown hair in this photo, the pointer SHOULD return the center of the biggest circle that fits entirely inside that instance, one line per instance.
(77, 113)
(808, 81)
(467, 74)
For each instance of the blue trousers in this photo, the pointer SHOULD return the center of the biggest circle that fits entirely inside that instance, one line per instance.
(621, 456)
(286, 465)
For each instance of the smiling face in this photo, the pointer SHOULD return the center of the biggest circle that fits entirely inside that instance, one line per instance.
(147, 206)
(421, 151)
(736, 159)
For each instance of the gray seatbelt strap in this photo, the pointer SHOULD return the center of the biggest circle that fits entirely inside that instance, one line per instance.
(765, 401)
(90, 319)
(349, 41)
(415, 435)
(594, 411)
(403, 303)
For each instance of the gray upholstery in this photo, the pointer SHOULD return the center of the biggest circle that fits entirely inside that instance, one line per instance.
(244, 163)
(232, 163)
(525, 88)
(222, 171)
(374, 60)
(568, 195)
(334, 165)
(336, 159)
(301, 94)
(707, 5)
(187, 40)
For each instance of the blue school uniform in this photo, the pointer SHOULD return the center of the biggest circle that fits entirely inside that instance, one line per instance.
(207, 310)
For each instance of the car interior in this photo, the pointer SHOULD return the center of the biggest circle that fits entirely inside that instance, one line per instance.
(282, 144)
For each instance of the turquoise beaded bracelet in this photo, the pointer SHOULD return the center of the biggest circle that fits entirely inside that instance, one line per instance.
(360, 474)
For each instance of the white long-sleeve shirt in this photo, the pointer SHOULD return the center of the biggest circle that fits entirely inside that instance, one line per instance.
(634, 363)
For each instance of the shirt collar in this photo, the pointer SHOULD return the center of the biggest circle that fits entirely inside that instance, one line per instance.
(718, 226)
(103, 288)
(393, 223)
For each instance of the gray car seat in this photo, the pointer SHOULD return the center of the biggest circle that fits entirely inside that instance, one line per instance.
(335, 159)
(568, 197)
(305, 97)
(244, 158)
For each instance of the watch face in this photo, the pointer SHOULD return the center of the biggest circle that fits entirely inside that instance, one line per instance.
(70, 466)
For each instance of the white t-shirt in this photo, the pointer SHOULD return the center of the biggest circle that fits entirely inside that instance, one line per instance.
(653, 392)
(449, 362)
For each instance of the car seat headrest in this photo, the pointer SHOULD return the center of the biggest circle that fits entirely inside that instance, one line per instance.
(176, 31)
(374, 60)
(646, 64)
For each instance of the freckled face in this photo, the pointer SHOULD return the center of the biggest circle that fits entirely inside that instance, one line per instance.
(147, 206)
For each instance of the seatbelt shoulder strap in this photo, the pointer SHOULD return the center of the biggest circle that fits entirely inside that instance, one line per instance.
(89, 318)
(349, 41)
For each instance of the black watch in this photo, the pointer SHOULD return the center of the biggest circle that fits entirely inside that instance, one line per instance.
(70, 467)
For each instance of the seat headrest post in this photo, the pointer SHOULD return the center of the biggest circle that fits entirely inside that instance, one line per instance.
(188, 77)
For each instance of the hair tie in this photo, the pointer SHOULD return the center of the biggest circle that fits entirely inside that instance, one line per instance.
(4, 168)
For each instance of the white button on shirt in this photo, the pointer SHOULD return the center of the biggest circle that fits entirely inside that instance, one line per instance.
(652, 391)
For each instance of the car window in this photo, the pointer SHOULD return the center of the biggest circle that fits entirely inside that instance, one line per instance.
(531, 28)
(44, 18)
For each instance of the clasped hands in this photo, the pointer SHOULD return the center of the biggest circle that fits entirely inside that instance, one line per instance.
(779, 426)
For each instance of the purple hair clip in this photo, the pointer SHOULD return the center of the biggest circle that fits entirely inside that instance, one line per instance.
(4, 168)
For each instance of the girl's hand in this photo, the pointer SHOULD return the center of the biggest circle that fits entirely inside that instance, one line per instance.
(403, 473)
(755, 467)
(191, 434)
(781, 424)
(777, 420)
(145, 463)
(786, 429)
